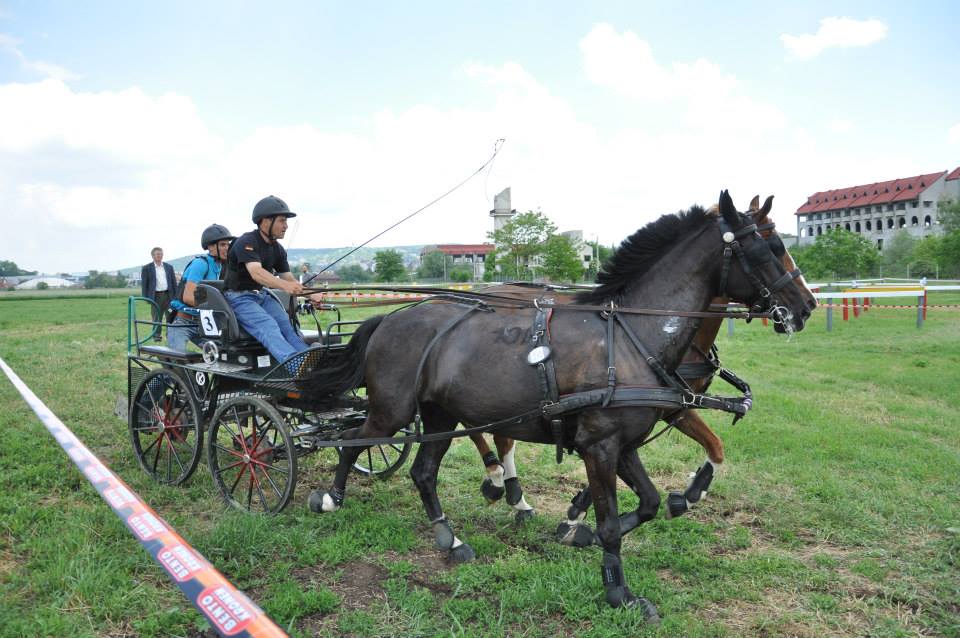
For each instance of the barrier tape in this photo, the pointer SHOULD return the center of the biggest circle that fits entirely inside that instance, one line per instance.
(885, 306)
(228, 610)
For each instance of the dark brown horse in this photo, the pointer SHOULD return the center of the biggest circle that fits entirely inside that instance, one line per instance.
(444, 362)
(502, 478)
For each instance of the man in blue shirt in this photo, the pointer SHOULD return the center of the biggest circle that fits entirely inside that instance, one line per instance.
(185, 327)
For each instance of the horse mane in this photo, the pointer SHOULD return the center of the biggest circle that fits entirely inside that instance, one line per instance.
(640, 251)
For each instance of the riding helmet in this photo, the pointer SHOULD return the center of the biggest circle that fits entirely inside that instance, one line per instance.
(213, 234)
(271, 206)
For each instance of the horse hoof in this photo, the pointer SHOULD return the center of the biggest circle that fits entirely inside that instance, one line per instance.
(523, 516)
(575, 535)
(649, 611)
(322, 502)
(462, 554)
(490, 491)
(676, 505)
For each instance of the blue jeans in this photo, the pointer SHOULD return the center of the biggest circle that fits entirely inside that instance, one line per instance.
(181, 331)
(261, 315)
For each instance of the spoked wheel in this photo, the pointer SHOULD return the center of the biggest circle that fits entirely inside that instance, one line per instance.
(381, 461)
(165, 430)
(251, 455)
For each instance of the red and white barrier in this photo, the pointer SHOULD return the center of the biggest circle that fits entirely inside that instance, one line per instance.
(228, 610)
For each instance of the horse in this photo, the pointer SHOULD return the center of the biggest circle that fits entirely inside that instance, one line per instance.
(697, 368)
(444, 364)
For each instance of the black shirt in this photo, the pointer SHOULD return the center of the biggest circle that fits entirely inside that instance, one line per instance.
(251, 247)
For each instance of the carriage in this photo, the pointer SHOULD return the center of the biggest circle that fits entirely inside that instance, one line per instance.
(237, 406)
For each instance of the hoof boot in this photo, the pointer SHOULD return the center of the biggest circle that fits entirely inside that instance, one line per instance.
(462, 554)
(676, 505)
(490, 491)
(523, 516)
(575, 535)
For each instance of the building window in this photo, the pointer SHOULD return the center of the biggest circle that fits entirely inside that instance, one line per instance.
(927, 204)
(879, 244)
(914, 221)
(889, 222)
(914, 204)
(868, 225)
(901, 222)
(926, 221)
(901, 206)
(847, 226)
(877, 209)
(889, 207)
(819, 230)
(856, 227)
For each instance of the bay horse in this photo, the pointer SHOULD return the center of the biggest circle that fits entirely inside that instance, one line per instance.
(441, 362)
(697, 368)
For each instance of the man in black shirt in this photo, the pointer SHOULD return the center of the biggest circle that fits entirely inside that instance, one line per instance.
(256, 260)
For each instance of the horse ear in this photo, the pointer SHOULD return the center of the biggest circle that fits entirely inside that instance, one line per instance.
(767, 205)
(755, 203)
(728, 210)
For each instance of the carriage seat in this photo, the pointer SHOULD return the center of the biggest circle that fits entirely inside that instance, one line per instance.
(169, 354)
(209, 296)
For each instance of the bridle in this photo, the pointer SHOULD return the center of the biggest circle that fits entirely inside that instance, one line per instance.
(750, 259)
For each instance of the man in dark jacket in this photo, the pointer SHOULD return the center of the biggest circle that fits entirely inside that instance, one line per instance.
(158, 282)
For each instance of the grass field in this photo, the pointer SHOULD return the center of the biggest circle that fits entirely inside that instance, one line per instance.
(835, 514)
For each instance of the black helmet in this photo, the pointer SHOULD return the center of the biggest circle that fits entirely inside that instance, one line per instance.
(213, 234)
(270, 207)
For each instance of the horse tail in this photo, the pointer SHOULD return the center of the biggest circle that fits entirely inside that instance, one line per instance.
(343, 370)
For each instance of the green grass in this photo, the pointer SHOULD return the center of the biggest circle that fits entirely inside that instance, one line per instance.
(830, 516)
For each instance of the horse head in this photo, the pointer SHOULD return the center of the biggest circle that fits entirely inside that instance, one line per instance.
(752, 273)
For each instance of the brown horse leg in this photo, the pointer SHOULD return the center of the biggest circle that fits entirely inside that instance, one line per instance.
(506, 447)
(492, 486)
(690, 423)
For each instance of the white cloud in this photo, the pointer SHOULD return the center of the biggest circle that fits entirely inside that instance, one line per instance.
(625, 64)
(840, 125)
(953, 134)
(835, 33)
(46, 69)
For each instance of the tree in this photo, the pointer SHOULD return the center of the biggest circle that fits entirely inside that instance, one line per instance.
(354, 273)
(103, 280)
(948, 212)
(898, 253)
(840, 253)
(600, 254)
(389, 265)
(490, 266)
(43, 285)
(520, 240)
(435, 265)
(461, 274)
(561, 261)
(11, 269)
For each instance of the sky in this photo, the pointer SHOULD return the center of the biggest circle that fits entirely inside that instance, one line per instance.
(128, 125)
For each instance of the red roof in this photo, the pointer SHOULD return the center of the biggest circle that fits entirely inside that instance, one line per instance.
(464, 249)
(895, 190)
(954, 174)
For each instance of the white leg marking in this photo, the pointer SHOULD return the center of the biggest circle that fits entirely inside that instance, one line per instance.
(496, 475)
(522, 505)
(328, 504)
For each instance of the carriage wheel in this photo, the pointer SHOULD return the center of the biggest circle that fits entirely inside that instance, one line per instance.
(165, 430)
(251, 455)
(381, 461)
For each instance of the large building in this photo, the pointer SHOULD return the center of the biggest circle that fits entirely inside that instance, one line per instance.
(878, 210)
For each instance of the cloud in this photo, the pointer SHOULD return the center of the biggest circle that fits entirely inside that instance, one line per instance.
(709, 96)
(840, 125)
(835, 32)
(953, 134)
(46, 69)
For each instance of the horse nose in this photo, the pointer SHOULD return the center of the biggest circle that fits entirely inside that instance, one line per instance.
(811, 305)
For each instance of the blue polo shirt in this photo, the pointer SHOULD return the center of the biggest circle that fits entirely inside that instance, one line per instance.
(200, 268)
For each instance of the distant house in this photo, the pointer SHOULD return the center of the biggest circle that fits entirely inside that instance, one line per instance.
(877, 210)
(326, 278)
(9, 282)
(470, 255)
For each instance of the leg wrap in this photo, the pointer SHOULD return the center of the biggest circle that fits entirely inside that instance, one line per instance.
(701, 482)
(514, 491)
(490, 458)
(442, 534)
(321, 502)
(580, 504)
